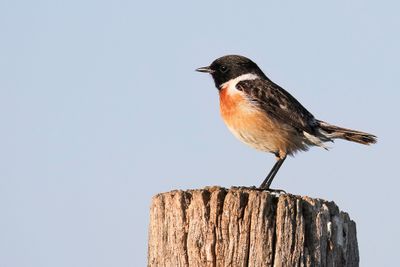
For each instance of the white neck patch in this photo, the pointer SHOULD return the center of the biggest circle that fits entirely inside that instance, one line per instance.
(231, 84)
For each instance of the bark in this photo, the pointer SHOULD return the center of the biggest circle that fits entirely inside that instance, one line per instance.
(246, 227)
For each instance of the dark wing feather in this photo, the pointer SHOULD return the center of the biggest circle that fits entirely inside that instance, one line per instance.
(279, 104)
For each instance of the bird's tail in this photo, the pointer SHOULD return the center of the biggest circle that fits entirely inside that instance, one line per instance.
(347, 134)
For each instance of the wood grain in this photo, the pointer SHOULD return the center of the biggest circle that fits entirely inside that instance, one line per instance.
(215, 226)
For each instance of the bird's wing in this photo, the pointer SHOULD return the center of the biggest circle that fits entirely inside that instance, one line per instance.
(279, 104)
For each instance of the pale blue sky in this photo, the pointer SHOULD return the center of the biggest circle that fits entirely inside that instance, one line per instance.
(100, 109)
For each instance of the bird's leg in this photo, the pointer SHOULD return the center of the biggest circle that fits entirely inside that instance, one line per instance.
(268, 180)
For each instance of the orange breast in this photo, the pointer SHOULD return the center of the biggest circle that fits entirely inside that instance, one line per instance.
(235, 109)
(254, 127)
(229, 103)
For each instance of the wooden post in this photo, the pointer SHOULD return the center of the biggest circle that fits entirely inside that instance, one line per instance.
(246, 227)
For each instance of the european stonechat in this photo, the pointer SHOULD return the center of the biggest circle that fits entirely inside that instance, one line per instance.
(266, 117)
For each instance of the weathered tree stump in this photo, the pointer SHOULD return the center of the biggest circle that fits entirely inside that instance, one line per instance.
(246, 227)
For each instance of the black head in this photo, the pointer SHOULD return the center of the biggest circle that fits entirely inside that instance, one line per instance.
(229, 67)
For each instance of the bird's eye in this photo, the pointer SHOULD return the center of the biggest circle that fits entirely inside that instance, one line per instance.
(223, 68)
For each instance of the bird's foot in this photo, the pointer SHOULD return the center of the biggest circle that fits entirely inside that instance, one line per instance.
(273, 191)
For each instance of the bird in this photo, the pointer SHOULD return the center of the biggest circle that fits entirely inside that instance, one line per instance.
(266, 117)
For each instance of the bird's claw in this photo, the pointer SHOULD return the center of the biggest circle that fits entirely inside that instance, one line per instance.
(273, 191)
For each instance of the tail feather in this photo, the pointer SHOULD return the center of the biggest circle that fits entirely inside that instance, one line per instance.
(347, 134)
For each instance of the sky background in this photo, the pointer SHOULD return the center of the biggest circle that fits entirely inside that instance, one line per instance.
(100, 109)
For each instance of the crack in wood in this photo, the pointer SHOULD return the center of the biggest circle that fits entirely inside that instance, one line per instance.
(247, 227)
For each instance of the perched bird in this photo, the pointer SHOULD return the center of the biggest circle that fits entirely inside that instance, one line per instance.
(266, 117)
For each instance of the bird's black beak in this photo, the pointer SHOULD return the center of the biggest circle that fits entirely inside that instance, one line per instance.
(205, 69)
